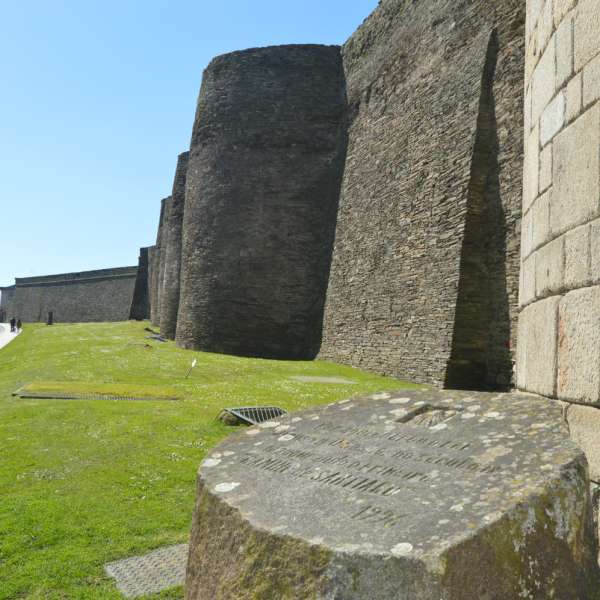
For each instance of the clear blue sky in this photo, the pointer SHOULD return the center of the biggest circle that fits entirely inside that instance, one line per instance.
(97, 101)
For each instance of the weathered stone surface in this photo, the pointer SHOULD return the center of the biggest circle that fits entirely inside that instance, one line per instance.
(543, 81)
(584, 427)
(169, 297)
(100, 295)
(541, 219)
(577, 257)
(553, 118)
(154, 266)
(591, 82)
(576, 172)
(587, 26)
(546, 168)
(140, 305)
(424, 495)
(574, 96)
(536, 351)
(265, 165)
(424, 275)
(561, 8)
(161, 245)
(595, 251)
(550, 268)
(527, 290)
(579, 346)
(531, 168)
(564, 51)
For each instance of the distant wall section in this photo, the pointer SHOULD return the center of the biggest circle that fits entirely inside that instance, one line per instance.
(7, 295)
(173, 229)
(102, 295)
(140, 304)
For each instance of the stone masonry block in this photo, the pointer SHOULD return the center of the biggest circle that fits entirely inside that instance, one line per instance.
(576, 173)
(577, 255)
(532, 55)
(561, 8)
(574, 97)
(531, 167)
(544, 81)
(546, 23)
(541, 220)
(591, 80)
(578, 376)
(595, 251)
(546, 168)
(587, 26)
(527, 234)
(527, 292)
(534, 10)
(584, 427)
(564, 51)
(549, 268)
(553, 118)
(536, 350)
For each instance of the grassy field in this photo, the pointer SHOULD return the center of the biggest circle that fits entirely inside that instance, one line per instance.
(85, 482)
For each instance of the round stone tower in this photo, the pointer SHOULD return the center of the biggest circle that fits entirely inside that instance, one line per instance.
(263, 179)
(169, 296)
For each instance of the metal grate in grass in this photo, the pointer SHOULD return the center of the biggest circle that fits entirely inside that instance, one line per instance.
(253, 415)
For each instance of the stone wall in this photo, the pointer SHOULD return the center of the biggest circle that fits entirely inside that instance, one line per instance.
(169, 295)
(7, 295)
(262, 188)
(559, 326)
(156, 266)
(140, 305)
(424, 276)
(102, 295)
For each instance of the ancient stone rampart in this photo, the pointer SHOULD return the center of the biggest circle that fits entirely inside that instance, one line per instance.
(169, 295)
(140, 305)
(424, 277)
(265, 165)
(156, 266)
(559, 326)
(101, 295)
(7, 295)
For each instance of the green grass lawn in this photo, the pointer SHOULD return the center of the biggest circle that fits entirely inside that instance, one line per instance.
(85, 482)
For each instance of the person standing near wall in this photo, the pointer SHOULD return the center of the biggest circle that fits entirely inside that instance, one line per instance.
(19, 325)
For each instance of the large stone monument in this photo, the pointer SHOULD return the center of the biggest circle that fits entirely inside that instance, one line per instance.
(425, 495)
(265, 166)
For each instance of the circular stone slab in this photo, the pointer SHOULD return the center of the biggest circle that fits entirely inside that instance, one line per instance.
(414, 495)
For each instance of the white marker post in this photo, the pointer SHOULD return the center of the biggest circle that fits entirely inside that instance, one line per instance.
(190, 369)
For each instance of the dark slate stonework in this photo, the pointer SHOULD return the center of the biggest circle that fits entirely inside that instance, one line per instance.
(424, 276)
(262, 188)
(412, 495)
(169, 296)
(102, 295)
(155, 267)
(151, 278)
(140, 305)
(7, 295)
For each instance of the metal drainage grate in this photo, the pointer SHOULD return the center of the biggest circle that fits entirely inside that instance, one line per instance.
(253, 415)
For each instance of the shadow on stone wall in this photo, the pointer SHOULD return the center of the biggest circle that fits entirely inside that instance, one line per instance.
(480, 357)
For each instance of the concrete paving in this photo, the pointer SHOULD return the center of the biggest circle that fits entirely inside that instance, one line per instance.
(5, 335)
